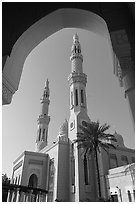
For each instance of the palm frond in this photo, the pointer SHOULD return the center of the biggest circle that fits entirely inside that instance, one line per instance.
(110, 137)
(85, 130)
(104, 148)
(92, 136)
(104, 127)
(111, 145)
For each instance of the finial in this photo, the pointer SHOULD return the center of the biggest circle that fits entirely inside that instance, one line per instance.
(75, 38)
(47, 83)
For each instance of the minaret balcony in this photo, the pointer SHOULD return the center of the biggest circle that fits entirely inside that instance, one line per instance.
(45, 100)
(43, 118)
(76, 55)
(75, 77)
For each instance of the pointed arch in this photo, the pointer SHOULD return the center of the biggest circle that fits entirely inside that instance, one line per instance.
(33, 181)
(45, 27)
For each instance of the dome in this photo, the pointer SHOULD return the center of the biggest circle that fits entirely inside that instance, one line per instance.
(120, 141)
(64, 128)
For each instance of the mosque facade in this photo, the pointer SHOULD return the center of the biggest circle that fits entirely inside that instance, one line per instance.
(60, 168)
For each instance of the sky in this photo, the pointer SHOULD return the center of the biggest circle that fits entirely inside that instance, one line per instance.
(51, 59)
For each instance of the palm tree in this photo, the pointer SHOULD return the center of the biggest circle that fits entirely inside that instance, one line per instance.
(91, 138)
(5, 179)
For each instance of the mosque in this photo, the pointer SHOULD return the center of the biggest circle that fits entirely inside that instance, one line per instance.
(60, 168)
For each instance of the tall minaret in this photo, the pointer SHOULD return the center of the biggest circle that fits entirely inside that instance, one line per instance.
(43, 120)
(77, 79)
(82, 175)
(77, 82)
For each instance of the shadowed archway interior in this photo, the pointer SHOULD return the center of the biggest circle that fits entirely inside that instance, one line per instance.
(33, 181)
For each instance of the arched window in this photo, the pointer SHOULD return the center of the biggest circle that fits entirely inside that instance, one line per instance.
(124, 159)
(71, 98)
(86, 176)
(33, 181)
(72, 165)
(46, 94)
(39, 133)
(134, 194)
(113, 163)
(43, 134)
(46, 135)
(73, 170)
(129, 196)
(19, 180)
(82, 97)
(16, 180)
(84, 123)
(75, 49)
(76, 97)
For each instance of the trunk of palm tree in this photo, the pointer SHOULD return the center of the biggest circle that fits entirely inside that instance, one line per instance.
(98, 175)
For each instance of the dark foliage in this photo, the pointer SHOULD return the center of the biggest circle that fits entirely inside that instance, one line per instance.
(91, 138)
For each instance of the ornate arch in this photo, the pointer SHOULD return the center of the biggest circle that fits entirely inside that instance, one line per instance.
(50, 24)
(39, 31)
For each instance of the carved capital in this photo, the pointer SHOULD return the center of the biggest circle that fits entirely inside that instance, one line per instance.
(123, 63)
(121, 37)
(126, 64)
(120, 43)
(6, 95)
(124, 68)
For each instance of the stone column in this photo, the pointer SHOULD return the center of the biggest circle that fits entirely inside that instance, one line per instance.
(37, 197)
(25, 197)
(134, 194)
(13, 199)
(46, 197)
(33, 198)
(28, 197)
(21, 199)
(43, 197)
(40, 197)
(126, 70)
(18, 195)
(9, 196)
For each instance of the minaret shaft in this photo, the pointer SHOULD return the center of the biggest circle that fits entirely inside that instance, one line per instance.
(78, 114)
(77, 79)
(43, 120)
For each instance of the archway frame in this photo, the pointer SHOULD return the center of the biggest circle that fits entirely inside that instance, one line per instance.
(50, 24)
(42, 29)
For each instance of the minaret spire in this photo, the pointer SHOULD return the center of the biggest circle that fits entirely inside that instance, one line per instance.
(47, 83)
(75, 38)
(46, 92)
(76, 54)
(44, 119)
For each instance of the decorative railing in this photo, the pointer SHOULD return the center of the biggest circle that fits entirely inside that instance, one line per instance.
(18, 193)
